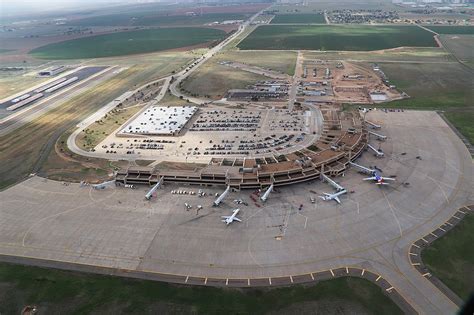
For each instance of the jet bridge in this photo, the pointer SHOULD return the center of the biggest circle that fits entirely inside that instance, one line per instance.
(378, 152)
(373, 125)
(332, 183)
(221, 197)
(103, 185)
(150, 193)
(363, 168)
(265, 196)
(378, 135)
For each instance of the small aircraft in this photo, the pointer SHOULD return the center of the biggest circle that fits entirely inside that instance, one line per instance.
(335, 196)
(379, 180)
(228, 219)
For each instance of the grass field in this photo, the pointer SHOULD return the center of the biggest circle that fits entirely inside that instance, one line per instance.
(303, 18)
(213, 80)
(436, 87)
(54, 292)
(451, 258)
(467, 30)
(461, 46)
(280, 61)
(336, 37)
(153, 19)
(126, 43)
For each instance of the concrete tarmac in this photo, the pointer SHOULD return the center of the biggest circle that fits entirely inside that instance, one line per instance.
(373, 229)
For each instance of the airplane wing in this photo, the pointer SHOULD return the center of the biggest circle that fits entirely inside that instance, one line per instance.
(388, 178)
(382, 183)
(370, 178)
(337, 199)
(225, 216)
(237, 219)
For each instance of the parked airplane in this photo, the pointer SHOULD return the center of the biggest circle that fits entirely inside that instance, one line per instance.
(379, 180)
(228, 219)
(335, 196)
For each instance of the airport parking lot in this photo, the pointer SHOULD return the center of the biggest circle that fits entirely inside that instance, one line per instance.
(372, 229)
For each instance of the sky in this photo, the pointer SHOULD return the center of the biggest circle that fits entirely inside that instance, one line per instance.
(14, 7)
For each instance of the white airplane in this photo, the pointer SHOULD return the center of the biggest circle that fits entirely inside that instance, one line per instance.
(335, 196)
(228, 219)
(379, 180)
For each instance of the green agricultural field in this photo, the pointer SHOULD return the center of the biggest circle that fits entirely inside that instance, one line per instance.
(279, 61)
(153, 19)
(336, 37)
(451, 258)
(461, 46)
(436, 87)
(127, 43)
(316, 18)
(467, 30)
(55, 292)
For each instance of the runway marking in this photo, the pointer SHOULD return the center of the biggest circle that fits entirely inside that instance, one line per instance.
(393, 212)
(331, 272)
(378, 278)
(186, 281)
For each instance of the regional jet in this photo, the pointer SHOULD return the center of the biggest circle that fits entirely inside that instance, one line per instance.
(335, 196)
(228, 219)
(379, 180)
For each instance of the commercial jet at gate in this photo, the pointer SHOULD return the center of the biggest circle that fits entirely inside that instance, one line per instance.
(380, 180)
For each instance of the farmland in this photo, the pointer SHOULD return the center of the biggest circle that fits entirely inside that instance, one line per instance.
(152, 19)
(126, 43)
(55, 291)
(466, 30)
(303, 18)
(340, 37)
